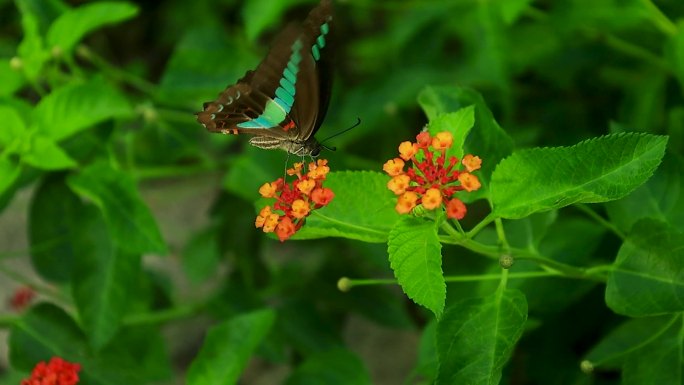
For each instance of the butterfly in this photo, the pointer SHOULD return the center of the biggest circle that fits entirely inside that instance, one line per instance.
(284, 100)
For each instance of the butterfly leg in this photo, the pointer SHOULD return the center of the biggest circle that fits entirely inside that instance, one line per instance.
(287, 160)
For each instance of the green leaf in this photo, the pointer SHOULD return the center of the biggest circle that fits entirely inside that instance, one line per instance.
(334, 367)
(427, 364)
(259, 14)
(103, 279)
(362, 209)
(10, 79)
(46, 331)
(659, 361)
(12, 126)
(458, 124)
(416, 259)
(632, 335)
(130, 222)
(251, 169)
(228, 347)
(31, 50)
(9, 173)
(512, 9)
(476, 337)
(659, 198)
(45, 154)
(202, 64)
(71, 26)
(648, 275)
(486, 140)
(596, 170)
(43, 332)
(306, 329)
(76, 107)
(56, 216)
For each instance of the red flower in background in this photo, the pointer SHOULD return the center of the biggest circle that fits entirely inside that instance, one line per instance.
(56, 372)
(21, 298)
(433, 180)
(295, 201)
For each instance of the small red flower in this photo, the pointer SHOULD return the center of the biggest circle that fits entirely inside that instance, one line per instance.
(56, 372)
(294, 201)
(21, 298)
(434, 179)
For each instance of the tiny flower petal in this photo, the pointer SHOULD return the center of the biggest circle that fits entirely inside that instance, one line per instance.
(423, 139)
(268, 190)
(259, 221)
(432, 199)
(285, 229)
(305, 186)
(322, 196)
(455, 209)
(442, 140)
(399, 184)
(296, 169)
(406, 202)
(318, 170)
(266, 211)
(300, 209)
(407, 150)
(270, 223)
(394, 167)
(471, 163)
(261, 218)
(469, 181)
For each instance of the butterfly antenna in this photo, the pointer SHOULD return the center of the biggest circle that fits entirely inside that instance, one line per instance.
(358, 121)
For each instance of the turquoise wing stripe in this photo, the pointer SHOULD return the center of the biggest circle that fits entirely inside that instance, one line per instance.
(285, 97)
(285, 93)
(259, 122)
(287, 86)
(289, 75)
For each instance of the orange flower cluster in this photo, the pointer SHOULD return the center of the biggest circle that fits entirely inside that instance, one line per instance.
(56, 372)
(295, 201)
(433, 180)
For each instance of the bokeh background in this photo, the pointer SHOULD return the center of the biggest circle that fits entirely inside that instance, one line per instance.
(553, 72)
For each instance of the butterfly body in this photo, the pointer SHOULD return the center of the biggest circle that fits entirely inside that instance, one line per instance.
(283, 101)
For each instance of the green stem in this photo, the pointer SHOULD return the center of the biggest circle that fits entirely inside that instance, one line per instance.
(162, 316)
(662, 22)
(630, 49)
(594, 215)
(463, 278)
(483, 223)
(488, 251)
(567, 270)
(501, 234)
(504, 280)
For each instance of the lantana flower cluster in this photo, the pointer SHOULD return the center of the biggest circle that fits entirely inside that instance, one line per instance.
(433, 178)
(56, 372)
(294, 201)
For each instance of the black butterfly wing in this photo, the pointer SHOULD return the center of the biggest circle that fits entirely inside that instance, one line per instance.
(286, 96)
(314, 81)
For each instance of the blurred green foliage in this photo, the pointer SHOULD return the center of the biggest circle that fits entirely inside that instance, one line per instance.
(97, 102)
